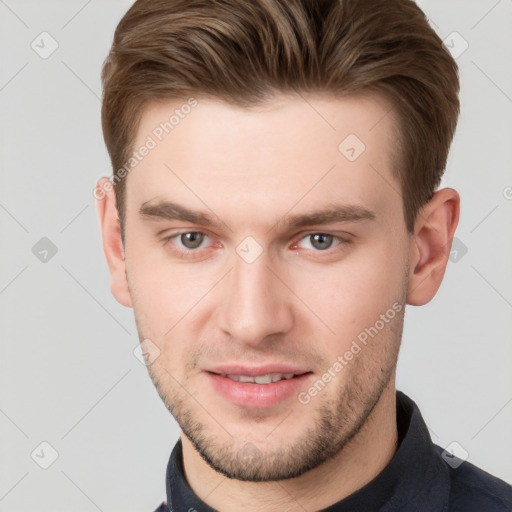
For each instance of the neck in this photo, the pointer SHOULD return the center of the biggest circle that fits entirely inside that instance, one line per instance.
(360, 461)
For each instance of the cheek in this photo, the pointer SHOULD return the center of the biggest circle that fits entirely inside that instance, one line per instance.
(165, 294)
(154, 299)
(163, 303)
(351, 295)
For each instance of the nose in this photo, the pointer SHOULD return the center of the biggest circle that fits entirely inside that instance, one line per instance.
(255, 304)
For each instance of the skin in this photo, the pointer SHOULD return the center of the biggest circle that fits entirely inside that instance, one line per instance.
(298, 302)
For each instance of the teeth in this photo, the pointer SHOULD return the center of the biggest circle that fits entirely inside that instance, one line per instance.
(263, 379)
(260, 379)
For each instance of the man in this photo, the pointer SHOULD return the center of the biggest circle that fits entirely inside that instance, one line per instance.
(273, 208)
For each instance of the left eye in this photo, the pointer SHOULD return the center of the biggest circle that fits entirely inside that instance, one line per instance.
(190, 240)
(319, 241)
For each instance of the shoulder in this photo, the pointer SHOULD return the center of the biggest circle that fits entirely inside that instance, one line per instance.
(162, 508)
(473, 489)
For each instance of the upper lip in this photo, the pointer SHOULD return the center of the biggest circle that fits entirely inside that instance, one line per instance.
(254, 371)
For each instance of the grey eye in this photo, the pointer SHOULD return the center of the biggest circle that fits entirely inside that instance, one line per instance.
(192, 240)
(321, 241)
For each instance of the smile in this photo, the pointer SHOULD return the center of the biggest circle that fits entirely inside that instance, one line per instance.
(262, 391)
(260, 379)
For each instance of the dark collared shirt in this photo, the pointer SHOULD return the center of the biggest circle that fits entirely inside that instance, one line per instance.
(421, 477)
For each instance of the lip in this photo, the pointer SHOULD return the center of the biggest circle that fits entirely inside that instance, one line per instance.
(253, 371)
(257, 396)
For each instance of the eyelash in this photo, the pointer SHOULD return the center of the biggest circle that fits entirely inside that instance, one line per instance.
(189, 252)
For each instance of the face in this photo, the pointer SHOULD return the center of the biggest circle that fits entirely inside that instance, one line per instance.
(266, 255)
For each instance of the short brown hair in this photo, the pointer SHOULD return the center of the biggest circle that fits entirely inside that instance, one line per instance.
(243, 52)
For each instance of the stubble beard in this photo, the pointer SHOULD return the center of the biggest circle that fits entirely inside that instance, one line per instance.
(337, 421)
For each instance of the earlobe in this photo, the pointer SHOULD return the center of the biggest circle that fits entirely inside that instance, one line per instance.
(112, 241)
(431, 244)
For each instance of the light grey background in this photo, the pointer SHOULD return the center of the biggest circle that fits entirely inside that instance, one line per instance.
(68, 374)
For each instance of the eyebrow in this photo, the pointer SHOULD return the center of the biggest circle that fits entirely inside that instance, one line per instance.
(169, 210)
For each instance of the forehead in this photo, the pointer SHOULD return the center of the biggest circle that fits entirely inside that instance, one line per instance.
(288, 150)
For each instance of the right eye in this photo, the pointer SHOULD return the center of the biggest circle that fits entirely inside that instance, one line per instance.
(188, 241)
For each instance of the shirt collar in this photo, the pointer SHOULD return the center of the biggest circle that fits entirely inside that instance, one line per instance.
(415, 477)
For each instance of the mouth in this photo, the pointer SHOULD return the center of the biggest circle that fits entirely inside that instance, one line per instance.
(268, 378)
(257, 389)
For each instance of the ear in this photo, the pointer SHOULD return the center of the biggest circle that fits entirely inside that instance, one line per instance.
(112, 241)
(431, 245)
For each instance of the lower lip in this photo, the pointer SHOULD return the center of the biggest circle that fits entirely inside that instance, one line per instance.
(257, 396)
